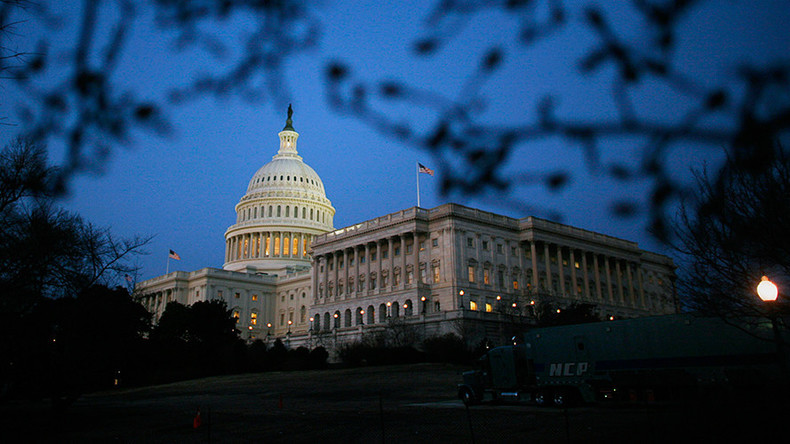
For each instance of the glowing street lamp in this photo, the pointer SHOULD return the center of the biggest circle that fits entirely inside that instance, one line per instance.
(767, 290)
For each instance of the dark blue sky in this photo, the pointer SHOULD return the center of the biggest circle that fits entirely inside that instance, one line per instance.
(183, 188)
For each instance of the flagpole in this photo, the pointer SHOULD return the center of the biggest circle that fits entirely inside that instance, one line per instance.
(167, 270)
(418, 184)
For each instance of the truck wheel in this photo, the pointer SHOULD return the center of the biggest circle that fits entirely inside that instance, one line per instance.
(542, 398)
(467, 396)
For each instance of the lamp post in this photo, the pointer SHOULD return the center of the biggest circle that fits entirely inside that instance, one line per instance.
(288, 334)
(769, 293)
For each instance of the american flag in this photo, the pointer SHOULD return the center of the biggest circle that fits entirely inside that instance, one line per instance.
(424, 169)
(174, 255)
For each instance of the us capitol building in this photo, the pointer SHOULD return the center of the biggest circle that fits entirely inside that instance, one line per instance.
(289, 274)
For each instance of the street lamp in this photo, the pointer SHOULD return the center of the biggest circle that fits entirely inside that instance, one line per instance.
(767, 290)
(769, 293)
(424, 304)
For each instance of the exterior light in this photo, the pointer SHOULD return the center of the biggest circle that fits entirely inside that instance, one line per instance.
(250, 327)
(498, 297)
(361, 312)
(336, 315)
(611, 318)
(422, 298)
(290, 322)
(531, 302)
(389, 304)
(767, 290)
(558, 310)
(514, 305)
(269, 325)
(461, 293)
(312, 319)
(405, 305)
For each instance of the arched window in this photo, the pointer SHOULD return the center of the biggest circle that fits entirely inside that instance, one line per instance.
(327, 325)
(382, 312)
(287, 211)
(360, 316)
(304, 211)
(270, 211)
(407, 308)
(302, 314)
(347, 318)
(371, 315)
(336, 316)
(278, 211)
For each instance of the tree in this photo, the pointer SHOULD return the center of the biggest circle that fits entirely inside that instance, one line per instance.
(735, 232)
(46, 251)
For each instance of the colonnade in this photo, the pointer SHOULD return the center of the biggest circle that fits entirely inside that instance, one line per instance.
(263, 244)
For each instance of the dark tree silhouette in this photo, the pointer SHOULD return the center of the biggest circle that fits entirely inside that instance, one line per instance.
(735, 232)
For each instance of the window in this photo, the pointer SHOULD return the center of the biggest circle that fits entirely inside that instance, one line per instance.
(473, 305)
(471, 273)
(408, 248)
(435, 242)
(219, 294)
(515, 284)
(576, 264)
(470, 242)
(436, 274)
(238, 295)
(236, 315)
(253, 318)
(302, 314)
(513, 251)
(340, 264)
(331, 265)
(397, 251)
(384, 254)
(351, 261)
(422, 245)
(501, 278)
(499, 248)
(489, 308)
(282, 319)
(485, 245)
(362, 259)
(292, 297)
(254, 297)
(409, 276)
(373, 256)
(486, 276)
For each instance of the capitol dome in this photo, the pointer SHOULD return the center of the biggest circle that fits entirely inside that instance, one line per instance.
(284, 207)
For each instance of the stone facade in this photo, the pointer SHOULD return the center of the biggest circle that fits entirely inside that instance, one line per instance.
(289, 274)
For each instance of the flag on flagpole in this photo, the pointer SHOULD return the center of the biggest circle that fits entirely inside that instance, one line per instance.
(174, 255)
(424, 169)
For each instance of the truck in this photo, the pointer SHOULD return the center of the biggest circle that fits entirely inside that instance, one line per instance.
(642, 359)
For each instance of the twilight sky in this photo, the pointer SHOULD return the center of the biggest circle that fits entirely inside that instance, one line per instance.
(182, 188)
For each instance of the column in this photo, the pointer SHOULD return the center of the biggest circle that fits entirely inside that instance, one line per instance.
(533, 251)
(586, 272)
(631, 297)
(562, 271)
(356, 268)
(315, 279)
(416, 249)
(347, 290)
(403, 261)
(391, 254)
(546, 258)
(608, 269)
(367, 268)
(574, 285)
(597, 271)
(641, 283)
(337, 272)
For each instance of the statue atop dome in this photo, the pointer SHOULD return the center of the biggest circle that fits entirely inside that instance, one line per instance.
(289, 122)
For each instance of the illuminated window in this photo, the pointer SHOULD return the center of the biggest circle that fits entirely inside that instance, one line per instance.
(489, 308)
(576, 264)
(254, 297)
(236, 315)
(486, 276)
(253, 318)
(473, 305)
(471, 273)
(515, 284)
(436, 275)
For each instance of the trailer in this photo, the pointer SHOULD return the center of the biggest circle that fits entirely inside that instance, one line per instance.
(642, 359)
